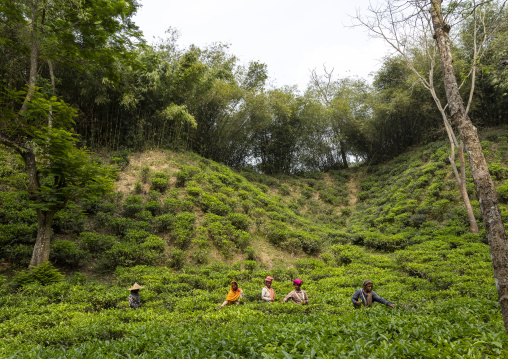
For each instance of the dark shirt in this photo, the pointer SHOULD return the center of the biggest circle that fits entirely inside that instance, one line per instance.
(375, 297)
(134, 300)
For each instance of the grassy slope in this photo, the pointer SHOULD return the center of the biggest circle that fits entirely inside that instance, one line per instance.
(405, 229)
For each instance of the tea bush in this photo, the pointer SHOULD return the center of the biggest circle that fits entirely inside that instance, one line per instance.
(66, 253)
(43, 274)
(94, 242)
(160, 182)
(133, 204)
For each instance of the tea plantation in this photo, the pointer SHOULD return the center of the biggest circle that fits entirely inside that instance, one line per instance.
(183, 227)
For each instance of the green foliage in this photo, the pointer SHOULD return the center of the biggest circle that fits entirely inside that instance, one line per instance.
(67, 254)
(145, 174)
(210, 203)
(133, 205)
(502, 192)
(160, 182)
(177, 258)
(201, 250)
(250, 265)
(70, 219)
(43, 274)
(94, 242)
(346, 254)
(183, 229)
(239, 221)
(120, 158)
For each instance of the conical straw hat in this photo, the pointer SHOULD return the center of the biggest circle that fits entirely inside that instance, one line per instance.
(135, 286)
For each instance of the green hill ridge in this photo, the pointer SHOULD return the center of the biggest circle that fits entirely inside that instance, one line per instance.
(184, 227)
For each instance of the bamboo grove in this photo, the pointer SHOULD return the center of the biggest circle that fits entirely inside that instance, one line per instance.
(134, 96)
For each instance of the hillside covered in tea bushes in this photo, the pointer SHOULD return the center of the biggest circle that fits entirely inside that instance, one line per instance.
(184, 226)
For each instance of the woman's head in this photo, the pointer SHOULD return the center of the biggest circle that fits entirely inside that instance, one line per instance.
(234, 285)
(297, 283)
(268, 281)
(367, 285)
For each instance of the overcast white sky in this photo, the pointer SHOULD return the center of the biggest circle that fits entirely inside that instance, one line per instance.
(291, 37)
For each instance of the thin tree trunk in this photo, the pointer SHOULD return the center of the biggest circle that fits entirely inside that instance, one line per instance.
(498, 241)
(461, 180)
(343, 154)
(33, 58)
(53, 92)
(42, 244)
(41, 250)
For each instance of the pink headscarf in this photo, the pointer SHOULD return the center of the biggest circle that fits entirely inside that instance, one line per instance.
(298, 281)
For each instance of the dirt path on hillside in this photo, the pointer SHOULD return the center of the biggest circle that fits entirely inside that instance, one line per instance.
(354, 187)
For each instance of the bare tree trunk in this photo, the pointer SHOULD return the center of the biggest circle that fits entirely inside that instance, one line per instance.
(33, 58)
(53, 92)
(343, 154)
(461, 180)
(492, 219)
(42, 244)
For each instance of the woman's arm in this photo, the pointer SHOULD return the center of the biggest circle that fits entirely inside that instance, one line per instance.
(355, 298)
(377, 298)
(290, 295)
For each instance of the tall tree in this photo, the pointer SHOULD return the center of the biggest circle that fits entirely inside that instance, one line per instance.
(57, 170)
(391, 23)
(92, 32)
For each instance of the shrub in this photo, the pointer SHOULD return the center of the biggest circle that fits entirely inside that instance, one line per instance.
(152, 250)
(67, 254)
(136, 235)
(194, 191)
(154, 207)
(185, 174)
(95, 242)
(310, 243)
(69, 220)
(43, 274)
(138, 188)
(277, 232)
(345, 254)
(284, 190)
(308, 263)
(18, 254)
(160, 182)
(387, 243)
(145, 174)
(211, 204)
(201, 250)
(250, 253)
(144, 216)
(226, 248)
(133, 204)
(164, 222)
(123, 254)
(498, 171)
(240, 238)
(250, 265)
(240, 221)
(183, 229)
(120, 158)
(502, 192)
(171, 205)
(177, 258)
(307, 192)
